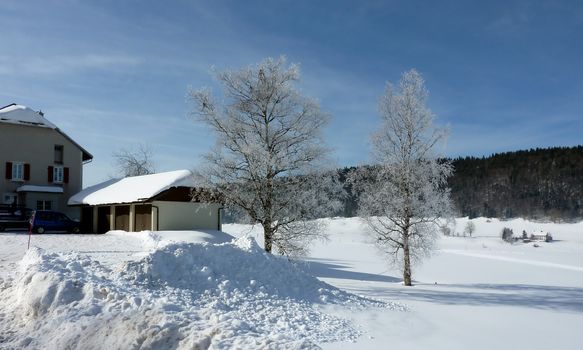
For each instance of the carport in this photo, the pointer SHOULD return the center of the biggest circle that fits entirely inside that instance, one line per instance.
(164, 201)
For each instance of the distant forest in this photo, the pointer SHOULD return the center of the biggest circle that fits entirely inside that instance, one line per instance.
(535, 184)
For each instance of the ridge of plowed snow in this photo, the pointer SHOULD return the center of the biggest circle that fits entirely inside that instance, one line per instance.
(238, 267)
(182, 295)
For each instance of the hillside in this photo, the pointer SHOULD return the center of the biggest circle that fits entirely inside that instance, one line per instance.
(536, 184)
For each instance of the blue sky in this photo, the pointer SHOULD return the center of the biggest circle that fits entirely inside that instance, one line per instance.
(504, 75)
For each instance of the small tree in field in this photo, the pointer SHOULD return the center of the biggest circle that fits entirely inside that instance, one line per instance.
(507, 235)
(269, 157)
(470, 228)
(403, 197)
(447, 226)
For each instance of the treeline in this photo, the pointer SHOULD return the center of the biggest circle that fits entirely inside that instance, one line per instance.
(536, 184)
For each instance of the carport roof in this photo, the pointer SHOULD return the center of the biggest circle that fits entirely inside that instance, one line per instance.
(132, 189)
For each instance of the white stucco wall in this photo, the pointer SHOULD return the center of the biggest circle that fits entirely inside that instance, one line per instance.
(185, 216)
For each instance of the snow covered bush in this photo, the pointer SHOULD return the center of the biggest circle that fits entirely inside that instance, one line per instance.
(470, 228)
(447, 226)
(507, 235)
(446, 231)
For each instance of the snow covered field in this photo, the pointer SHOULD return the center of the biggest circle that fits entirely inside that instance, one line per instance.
(145, 290)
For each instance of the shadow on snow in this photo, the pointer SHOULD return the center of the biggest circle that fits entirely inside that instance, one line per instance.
(569, 299)
(325, 268)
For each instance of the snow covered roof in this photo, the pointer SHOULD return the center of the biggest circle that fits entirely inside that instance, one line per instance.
(18, 114)
(132, 189)
(22, 115)
(34, 188)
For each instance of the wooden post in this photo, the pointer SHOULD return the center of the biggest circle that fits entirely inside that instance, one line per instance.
(112, 218)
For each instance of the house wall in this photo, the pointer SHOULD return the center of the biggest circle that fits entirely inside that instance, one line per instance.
(55, 198)
(35, 146)
(185, 215)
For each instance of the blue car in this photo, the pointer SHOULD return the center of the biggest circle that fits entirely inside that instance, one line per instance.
(47, 220)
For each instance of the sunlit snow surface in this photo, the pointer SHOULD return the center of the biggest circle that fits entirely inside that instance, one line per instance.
(150, 291)
(179, 295)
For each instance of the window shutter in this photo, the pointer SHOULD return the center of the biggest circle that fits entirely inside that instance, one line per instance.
(66, 175)
(26, 172)
(8, 170)
(50, 174)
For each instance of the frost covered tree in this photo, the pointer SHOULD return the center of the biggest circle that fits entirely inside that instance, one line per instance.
(405, 193)
(134, 162)
(470, 228)
(269, 160)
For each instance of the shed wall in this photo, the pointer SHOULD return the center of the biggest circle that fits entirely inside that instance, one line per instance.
(122, 217)
(185, 216)
(143, 217)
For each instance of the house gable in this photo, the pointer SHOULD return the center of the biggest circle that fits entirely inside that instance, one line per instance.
(41, 166)
(23, 116)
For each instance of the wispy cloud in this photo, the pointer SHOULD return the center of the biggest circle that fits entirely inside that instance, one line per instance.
(514, 21)
(62, 64)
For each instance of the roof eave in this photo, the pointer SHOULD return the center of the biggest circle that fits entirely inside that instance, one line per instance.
(87, 157)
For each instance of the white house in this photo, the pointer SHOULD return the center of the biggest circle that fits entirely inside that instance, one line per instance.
(162, 201)
(541, 235)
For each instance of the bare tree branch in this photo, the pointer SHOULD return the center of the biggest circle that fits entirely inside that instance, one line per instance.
(134, 162)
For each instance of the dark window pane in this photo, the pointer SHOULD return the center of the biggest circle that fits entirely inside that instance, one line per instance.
(59, 154)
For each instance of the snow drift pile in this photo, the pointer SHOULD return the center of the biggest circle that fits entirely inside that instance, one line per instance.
(182, 295)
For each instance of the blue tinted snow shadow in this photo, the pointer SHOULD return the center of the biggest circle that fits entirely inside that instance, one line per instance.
(325, 268)
(558, 298)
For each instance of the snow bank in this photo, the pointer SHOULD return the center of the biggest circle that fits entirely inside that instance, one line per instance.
(232, 268)
(182, 295)
(156, 239)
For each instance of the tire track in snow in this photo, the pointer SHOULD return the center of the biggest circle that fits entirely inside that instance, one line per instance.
(521, 261)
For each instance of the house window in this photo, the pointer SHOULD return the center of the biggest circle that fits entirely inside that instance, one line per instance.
(17, 171)
(59, 154)
(58, 174)
(44, 205)
(10, 198)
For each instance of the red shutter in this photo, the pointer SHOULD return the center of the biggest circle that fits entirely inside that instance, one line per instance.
(50, 174)
(8, 170)
(66, 175)
(26, 172)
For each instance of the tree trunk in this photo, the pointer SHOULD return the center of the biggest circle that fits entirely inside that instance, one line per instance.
(267, 236)
(268, 207)
(406, 260)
